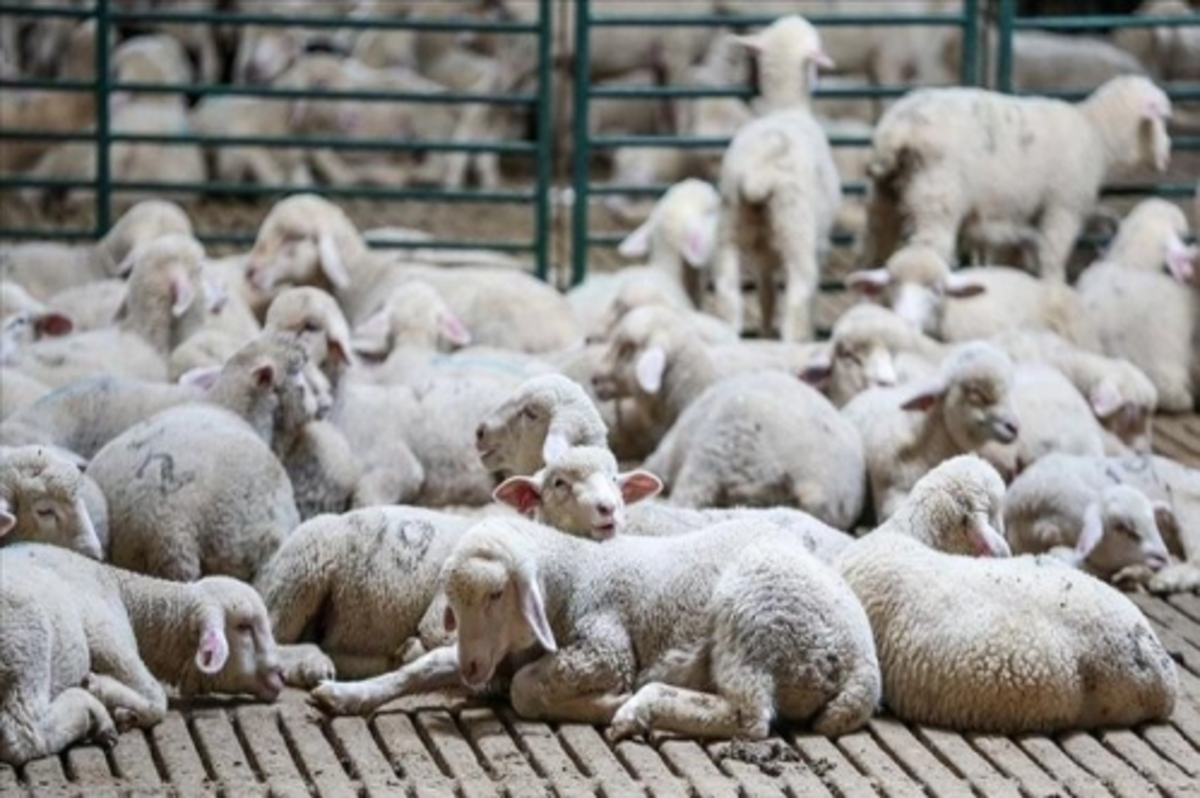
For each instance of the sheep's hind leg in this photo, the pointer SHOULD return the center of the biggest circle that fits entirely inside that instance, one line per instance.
(128, 707)
(661, 707)
(434, 671)
(73, 716)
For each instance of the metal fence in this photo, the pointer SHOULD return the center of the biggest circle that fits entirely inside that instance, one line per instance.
(107, 16)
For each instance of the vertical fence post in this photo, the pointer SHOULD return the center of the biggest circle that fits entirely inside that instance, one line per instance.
(1004, 63)
(103, 127)
(581, 154)
(970, 46)
(541, 229)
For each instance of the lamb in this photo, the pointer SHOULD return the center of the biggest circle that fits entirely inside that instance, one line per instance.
(173, 512)
(330, 591)
(637, 288)
(90, 643)
(17, 391)
(945, 157)
(413, 323)
(92, 305)
(1150, 236)
(1168, 51)
(763, 439)
(908, 430)
(1046, 648)
(543, 417)
(44, 269)
(313, 317)
(512, 586)
(42, 499)
(780, 188)
(1067, 504)
(305, 240)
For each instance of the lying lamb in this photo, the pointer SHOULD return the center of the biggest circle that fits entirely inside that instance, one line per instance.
(44, 498)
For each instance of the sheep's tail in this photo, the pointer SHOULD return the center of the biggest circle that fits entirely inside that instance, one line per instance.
(758, 179)
(689, 667)
(850, 709)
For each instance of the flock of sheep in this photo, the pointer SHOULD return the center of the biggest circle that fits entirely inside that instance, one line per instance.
(367, 475)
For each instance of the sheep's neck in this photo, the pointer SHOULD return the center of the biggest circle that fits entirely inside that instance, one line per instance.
(258, 410)
(1119, 143)
(690, 370)
(164, 616)
(151, 324)
(782, 90)
(931, 435)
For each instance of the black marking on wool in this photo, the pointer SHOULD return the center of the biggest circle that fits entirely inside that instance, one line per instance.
(168, 482)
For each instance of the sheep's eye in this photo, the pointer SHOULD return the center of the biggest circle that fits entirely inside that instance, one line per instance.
(44, 512)
(530, 414)
(494, 596)
(311, 326)
(1123, 528)
(625, 351)
(560, 484)
(245, 628)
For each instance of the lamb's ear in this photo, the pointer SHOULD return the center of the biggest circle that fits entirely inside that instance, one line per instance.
(534, 610)
(637, 243)
(868, 282)
(213, 651)
(7, 519)
(1091, 531)
(926, 398)
(449, 622)
(821, 58)
(454, 330)
(522, 493)
(264, 375)
(52, 324)
(753, 43)
(555, 444)
(986, 541)
(1104, 398)
(638, 485)
(331, 260)
(202, 377)
(699, 239)
(1181, 259)
(1165, 520)
(649, 369)
(371, 336)
(960, 287)
(337, 341)
(818, 371)
(215, 295)
(183, 294)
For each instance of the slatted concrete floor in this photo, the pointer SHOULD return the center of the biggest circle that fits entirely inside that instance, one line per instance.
(437, 746)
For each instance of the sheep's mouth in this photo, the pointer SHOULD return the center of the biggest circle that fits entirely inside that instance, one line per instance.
(1156, 562)
(1004, 431)
(604, 530)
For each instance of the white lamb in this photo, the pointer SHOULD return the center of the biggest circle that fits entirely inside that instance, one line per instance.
(43, 499)
(947, 156)
(1151, 236)
(1002, 646)
(908, 430)
(86, 645)
(780, 188)
(1066, 504)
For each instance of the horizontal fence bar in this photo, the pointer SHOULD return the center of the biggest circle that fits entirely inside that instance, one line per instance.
(445, 244)
(1159, 189)
(699, 142)
(693, 92)
(718, 20)
(1106, 21)
(64, 12)
(449, 24)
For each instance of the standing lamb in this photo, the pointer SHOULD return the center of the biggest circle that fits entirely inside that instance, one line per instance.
(1002, 646)
(945, 157)
(780, 188)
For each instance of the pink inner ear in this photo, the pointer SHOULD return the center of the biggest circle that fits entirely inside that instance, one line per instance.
(449, 622)
(519, 493)
(264, 375)
(7, 519)
(455, 331)
(868, 283)
(53, 324)
(638, 485)
(213, 651)
(182, 294)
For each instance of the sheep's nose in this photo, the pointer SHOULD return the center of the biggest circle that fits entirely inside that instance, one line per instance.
(605, 508)
(479, 433)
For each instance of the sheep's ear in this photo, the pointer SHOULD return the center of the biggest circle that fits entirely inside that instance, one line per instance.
(925, 399)
(52, 324)
(455, 331)
(1104, 398)
(752, 43)
(1164, 519)
(183, 293)
(821, 58)
(7, 519)
(1091, 531)
(637, 243)
(87, 531)
(264, 375)
(534, 610)
(449, 622)
(698, 241)
(649, 369)
(868, 282)
(339, 345)
(960, 287)
(215, 295)
(520, 492)
(1181, 259)
(202, 377)
(331, 260)
(638, 485)
(213, 651)
(987, 542)
(555, 445)
(371, 336)
(818, 371)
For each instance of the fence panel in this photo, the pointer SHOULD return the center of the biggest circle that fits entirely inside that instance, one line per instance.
(107, 16)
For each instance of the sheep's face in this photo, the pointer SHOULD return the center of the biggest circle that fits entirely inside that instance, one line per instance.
(314, 318)
(40, 501)
(513, 435)
(265, 52)
(1122, 530)
(283, 255)
(635, 361)
(236, 651)
(978, 410)
(859, 364)
(957, 508)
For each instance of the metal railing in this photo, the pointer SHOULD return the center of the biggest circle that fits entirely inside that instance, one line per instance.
(104, 137)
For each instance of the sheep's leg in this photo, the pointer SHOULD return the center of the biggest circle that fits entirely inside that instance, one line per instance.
(333, 168)
(128, 707)
(74, 715)
(766, 289)
(1059, 228)
(1180, 577)
(661, 707)
(882, 229)
(727, 284)
(435, 671)
(802, 273)
(305, 665)
(124, 684)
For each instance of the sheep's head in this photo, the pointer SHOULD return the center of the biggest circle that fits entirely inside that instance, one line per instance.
(638, 354)
(1124, 402)
(544, 416)
(235, 649)
(314, 318)
(632, 293)
(789, 52)
(41, 499)
(414, 315)
(21, 329)
(282, 390)
(493, 601)
(973, 393)
(142, 223)
(1151, 236)
(266, 51)
(914, 283)
(681, 227)
(1121, 529)
(1132, 113)
(862, 353)
(580, 492)
(304, 239)
(957, 508)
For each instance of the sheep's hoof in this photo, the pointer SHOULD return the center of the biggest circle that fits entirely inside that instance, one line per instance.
(125, 719)
(1177, 578)
(105, 734)
(339, 699)
(628, 722)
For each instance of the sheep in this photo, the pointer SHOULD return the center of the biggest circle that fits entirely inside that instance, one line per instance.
(946, 156)
(162, 308)
(761, 439)
(313, 317)
(1151, 235)
(42, 499)
(550, 587)
(17, 391)
(543, 417)
(1068, 502)
(89, 644)
(92, 305)
(44, 269)
(1043, 647)
(908, 430)
(638, 287)
(306, 239)
(779, 185)
(1168, 51)
(330, 592)
(413, 322)
(173, 511)
(1044, 61)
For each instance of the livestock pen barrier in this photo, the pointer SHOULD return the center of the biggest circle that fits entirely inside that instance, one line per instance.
(103, 137)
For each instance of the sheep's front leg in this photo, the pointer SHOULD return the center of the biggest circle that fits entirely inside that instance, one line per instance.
(803, 274)
(727, 284)
(434, 671)
(305, 664)
(127, 707)
(73, 716)
(584, 683)
(661, 707)
(1059, 227)
(1180, 577)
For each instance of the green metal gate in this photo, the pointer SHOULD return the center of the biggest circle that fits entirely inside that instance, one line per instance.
(106, 16)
